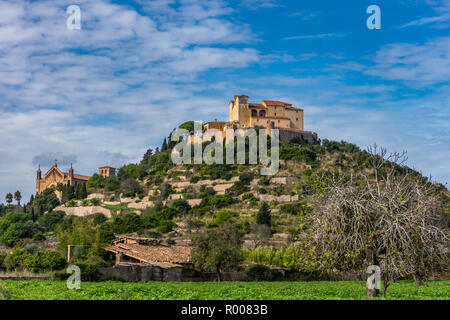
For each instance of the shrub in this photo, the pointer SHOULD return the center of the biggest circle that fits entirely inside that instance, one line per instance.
(166, 226)
(218, 201)
(263, 216)
(130, 187)
(222, 216)
(181, 206)
(51, 219)
(16, 259)
(99, 218)
(2, 259)
(258, 272)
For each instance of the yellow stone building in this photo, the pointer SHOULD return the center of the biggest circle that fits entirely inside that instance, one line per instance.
(54, 176)
(268, 114)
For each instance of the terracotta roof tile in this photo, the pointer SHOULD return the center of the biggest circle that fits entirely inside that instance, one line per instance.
(276, 103)
(154, 253)
(256, 105)
(80, 177)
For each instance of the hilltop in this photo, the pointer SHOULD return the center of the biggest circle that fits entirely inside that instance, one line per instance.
(158, 199)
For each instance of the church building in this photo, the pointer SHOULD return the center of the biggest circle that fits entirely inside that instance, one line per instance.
(268, 114)
(54, 176)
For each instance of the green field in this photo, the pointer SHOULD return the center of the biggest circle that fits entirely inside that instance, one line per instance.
(55, 290)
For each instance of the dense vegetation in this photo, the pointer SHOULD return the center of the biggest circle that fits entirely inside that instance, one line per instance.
(277, 234)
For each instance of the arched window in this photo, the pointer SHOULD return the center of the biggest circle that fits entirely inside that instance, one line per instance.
(262, 113)
(254, 113)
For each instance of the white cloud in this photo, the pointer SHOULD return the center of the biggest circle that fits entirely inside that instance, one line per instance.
(111, 90)
(440, 21)
(417, 64)
(257, 4)
(315, 36)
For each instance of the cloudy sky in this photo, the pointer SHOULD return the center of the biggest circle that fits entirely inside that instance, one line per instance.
(105, 93)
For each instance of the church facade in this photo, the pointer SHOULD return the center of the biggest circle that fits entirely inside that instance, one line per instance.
(54, 176)
(268, 114)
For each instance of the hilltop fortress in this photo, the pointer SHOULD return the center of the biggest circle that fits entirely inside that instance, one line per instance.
(268, 114)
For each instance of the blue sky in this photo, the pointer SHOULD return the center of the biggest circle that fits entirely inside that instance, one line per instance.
(106, 93)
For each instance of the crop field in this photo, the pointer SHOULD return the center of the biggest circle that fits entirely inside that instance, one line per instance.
(57, 290)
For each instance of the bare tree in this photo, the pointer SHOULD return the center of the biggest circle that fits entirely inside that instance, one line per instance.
(385, 215)
(261, 235)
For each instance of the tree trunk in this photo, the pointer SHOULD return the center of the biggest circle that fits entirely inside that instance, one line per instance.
(418, 279)
(219, 276)
(385, 286)
(372, 292)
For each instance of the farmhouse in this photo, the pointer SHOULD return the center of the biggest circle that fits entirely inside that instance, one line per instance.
(146, 259)
(150, 252)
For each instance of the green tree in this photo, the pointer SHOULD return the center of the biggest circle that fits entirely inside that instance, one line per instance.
(83, 191)
(33, 215)
(31, 199)
(164, 145)
(70, 192)
(263, 216)
(9, 198)
(217, 248)
(17, 197)
(51, 219)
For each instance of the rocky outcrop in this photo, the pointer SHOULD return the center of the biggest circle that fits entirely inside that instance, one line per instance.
(96, 195)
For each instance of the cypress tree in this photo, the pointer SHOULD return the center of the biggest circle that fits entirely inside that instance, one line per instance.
(164, 145)
(70, 192)
(40, 211)
(263, 215)
(33, 215)
(83, 191)
(64, 194)
(77, 192)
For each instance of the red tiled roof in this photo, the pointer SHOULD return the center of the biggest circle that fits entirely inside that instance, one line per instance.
(276, 103)
(269, 117)
(294, 108)
(80, 177)
(153, 253)
(256, 105)
(104, 167)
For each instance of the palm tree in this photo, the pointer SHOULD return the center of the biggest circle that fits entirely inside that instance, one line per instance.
(9, 198)
(17, 197)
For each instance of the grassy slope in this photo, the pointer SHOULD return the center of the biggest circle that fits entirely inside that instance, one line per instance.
(41, 289)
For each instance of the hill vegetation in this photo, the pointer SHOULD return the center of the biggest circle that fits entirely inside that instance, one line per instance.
(276, 218)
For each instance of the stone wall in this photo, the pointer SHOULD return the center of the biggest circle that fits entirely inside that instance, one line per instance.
(288, 135)
(84, 211)
(136, 272)
(283, 198)
(282, 180)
